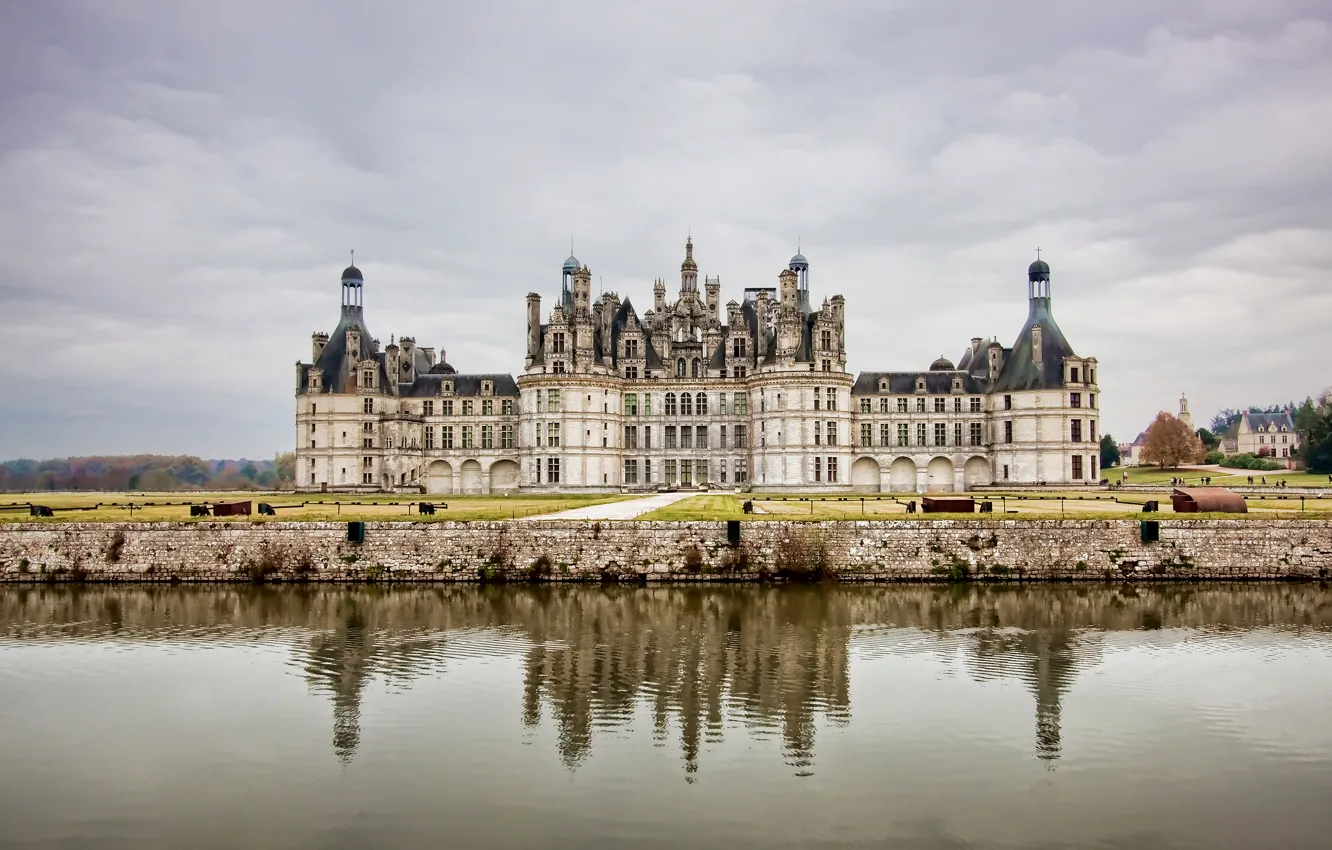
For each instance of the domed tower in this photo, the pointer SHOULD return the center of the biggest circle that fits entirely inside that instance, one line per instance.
(1038, 280)
(353, 283)
(571, 267)
(800, 266)
(689, 269)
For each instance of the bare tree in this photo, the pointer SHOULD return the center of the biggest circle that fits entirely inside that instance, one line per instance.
(1170, 442)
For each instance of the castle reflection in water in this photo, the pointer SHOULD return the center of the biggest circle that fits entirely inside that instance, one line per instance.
(693, 657)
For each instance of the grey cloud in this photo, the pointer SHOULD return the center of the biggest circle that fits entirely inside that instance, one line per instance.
(179, 184)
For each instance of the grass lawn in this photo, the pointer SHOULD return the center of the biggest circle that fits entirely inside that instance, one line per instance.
(150, 507)
(1221, 477)
(1088, 505)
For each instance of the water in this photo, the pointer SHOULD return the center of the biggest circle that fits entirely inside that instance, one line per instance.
(531, 717)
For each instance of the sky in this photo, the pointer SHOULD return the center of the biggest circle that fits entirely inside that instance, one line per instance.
(181, 182)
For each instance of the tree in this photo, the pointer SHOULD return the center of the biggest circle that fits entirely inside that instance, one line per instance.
(1209, 440)
(1170, 442)
(1109, 452)
(1313, 421)
(1224, 420)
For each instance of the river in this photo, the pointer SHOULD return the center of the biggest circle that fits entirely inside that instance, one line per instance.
(921, 717)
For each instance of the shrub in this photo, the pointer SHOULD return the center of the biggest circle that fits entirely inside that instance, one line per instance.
(1214, 457)
(541, 568)
(1251, 462)
(266, 562)
(736, 559)
(801, 555)
(693, 559)
(115, 547)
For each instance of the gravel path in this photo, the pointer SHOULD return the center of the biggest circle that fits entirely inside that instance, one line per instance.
(627, 509)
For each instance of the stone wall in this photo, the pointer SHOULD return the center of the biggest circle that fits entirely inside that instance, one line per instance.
(938, 550)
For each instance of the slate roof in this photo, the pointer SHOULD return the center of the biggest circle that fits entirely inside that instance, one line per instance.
(904, 383)
(463, 385)
(1261, 421)
(1020, 371)
(332, 359)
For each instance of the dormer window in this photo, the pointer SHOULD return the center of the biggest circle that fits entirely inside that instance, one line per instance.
(1074, 374)
(631, 348)
(487, 387)
(957, 385)
(920, 385)
(883, 385)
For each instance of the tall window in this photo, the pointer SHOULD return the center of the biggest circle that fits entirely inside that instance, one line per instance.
(1008, 402)
(701, 404)
(630, 471)
(686, 473)
(1076, 435)
(558, 368)
(557, 343)
(680, 368)
(884, 405)
(818, 433)
(701, 436)
(722, 406)
(1075, 399)
(552, 433)
(553, 470)
(631, 373)
(957, 433)
(446, 436)
(631, 404)
(467, 437)
(832, 470)
(631, 348)
(940, 434)
(427, 408)
(670, 472)
(686, 436)
(631, 436)
(468, 407)
(506, 437)
(738, 347)
(670, 437)
(430, 436)
(721, 436)
(885, 434)
(818, 469)
(553, 401)
(487, 436)
(447, 406)
(920, 405)
(686, 404)
(825, 340)
(957, 405)
(670, 404)
(368, 405)
(647, 437)
(866, 434)
(741, 471)
(975, 433)
(741, 437)
(940, 405)
(865, 406)
(741, 405)
(920, 433)
(1008, 431)
(488, 407)
(818, 398)
(832, 433)
(832, 398)
(1077, 466)
(903, 435)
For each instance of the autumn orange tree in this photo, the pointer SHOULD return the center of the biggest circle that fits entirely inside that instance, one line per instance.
(1170, 442)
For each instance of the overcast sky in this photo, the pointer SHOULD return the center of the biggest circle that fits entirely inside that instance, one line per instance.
(180, 183)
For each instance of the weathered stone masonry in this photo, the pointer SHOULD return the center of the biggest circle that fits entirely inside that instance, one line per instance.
(1094, 550)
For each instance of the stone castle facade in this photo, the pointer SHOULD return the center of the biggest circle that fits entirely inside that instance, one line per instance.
(693, 393)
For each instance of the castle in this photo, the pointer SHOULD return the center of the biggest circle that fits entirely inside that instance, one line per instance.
(693, 394)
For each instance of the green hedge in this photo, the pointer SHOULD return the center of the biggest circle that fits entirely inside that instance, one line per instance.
(1251, 461)
(1214, 457)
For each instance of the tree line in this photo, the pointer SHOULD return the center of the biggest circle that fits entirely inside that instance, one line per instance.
(147, 472)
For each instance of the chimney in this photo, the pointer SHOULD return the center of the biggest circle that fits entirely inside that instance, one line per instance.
(533, 327)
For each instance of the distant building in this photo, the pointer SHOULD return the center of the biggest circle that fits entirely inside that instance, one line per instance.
(1130, 454)
(1267, 434)
(693, 393)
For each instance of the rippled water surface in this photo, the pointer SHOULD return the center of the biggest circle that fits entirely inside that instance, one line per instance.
(460, 717)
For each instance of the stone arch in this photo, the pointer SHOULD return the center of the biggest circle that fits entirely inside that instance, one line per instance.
(471, 476)
(902, 476)
(939, 475)
(865, 476)
(977, 472)
(439, 477)
(503, 476)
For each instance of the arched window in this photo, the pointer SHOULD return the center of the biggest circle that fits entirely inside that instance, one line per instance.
(670, 404)
(695, 367)
(701, 403)
(680, 368)
(686, 404)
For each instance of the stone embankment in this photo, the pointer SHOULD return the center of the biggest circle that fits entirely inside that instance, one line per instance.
(875, 550)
